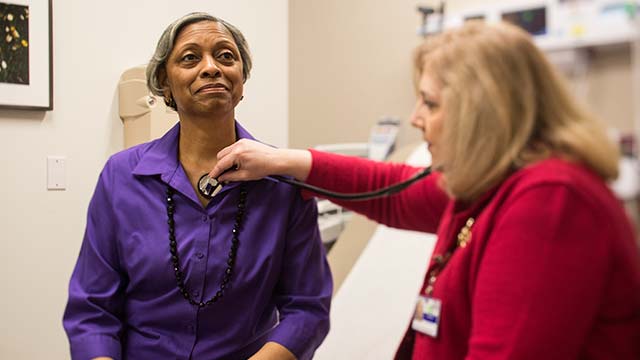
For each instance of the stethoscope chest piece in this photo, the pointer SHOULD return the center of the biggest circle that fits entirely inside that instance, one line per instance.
(208, 187)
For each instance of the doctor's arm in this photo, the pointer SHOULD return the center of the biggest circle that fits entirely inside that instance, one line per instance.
(255, 160)
(419, 207)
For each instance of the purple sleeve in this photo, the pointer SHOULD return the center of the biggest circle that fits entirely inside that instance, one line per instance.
(93, 312)
(303, 293)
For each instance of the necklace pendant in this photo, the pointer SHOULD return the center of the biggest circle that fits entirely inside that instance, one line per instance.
(464, 236)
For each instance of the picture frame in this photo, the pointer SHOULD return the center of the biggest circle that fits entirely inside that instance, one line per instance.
(26, 62)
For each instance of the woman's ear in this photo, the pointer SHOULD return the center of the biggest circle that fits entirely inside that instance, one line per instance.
(162, 78)
(166, 89)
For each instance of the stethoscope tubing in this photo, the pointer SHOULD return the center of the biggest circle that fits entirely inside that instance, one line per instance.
(207, 187)
(362, 196)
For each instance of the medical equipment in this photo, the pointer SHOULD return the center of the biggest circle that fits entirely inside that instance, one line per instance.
(430, 13)
(207, 187)
(560, 24)
(332, 220)
(144, 116)
(533, 20)
(386, 191)
(382, 141)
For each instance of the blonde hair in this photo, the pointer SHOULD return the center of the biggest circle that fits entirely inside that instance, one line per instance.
(505, 108)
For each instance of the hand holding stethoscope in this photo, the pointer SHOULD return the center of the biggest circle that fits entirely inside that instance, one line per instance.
(250, 160)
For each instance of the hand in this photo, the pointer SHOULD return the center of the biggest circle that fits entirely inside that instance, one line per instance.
(254, 160)
(273, 351)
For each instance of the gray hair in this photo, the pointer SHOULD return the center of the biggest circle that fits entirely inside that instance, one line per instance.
(158, 62)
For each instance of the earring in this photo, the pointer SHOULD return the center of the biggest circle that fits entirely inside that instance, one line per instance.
(170, 102)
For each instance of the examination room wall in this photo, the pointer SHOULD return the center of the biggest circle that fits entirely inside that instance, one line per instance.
(93, 43)
(351, 64)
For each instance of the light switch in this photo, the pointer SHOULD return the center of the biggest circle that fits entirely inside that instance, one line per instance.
(56, 177)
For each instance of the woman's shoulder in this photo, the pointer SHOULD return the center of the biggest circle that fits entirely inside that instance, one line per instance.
(573, 178)
(561, 172)
(152, 153)
(131, 156)
(565, 190)
(139, 159)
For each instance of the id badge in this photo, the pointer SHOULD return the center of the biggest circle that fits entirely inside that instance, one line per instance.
(427, 316)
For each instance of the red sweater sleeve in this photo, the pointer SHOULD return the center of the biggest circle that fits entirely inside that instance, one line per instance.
(419, 207)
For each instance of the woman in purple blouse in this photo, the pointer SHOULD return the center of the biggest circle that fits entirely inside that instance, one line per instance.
(167, 273)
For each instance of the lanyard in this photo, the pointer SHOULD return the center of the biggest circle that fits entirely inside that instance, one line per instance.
(463, 238)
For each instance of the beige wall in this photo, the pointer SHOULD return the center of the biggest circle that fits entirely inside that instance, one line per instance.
(94, 42)
(351, 64)
(609, 87)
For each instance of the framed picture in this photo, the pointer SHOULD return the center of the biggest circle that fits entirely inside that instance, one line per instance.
(26, 66)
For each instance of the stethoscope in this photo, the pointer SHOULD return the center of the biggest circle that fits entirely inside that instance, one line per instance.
(208, 186)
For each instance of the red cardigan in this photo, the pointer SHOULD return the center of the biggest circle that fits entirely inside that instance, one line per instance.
(552, 270)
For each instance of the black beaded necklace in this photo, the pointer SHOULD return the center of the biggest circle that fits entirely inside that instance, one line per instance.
(235, 242)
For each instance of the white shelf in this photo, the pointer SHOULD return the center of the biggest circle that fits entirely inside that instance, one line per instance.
(550, 43)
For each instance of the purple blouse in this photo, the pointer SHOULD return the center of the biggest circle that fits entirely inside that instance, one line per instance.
(123, 298)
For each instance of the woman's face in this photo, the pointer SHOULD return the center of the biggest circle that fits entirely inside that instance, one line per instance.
(428, 115)
(204, 70)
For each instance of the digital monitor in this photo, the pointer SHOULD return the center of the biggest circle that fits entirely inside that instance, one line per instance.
(478, 17)
(533, 20)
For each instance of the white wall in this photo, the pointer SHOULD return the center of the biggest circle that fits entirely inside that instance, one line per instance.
(94, 42)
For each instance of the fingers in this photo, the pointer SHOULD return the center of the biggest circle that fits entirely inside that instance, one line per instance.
(231, 158)
(225, 162)
(236, 175)
(224, 152)
(227, 158)
(249, 159)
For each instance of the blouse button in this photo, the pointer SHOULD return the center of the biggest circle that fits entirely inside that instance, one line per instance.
(199, 255)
